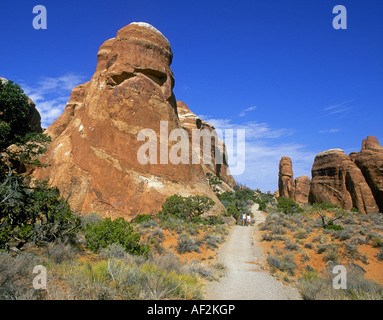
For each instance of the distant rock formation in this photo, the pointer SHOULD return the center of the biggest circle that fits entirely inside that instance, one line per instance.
(93, 156)
(285, 178)
(297, 189)
(370, 161)
(302, 189)
(337, 179)
(190, 121)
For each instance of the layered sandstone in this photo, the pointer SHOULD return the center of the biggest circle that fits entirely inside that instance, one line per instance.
(94, 154)
(337, 179)
(217, 164)
(285, 178)
(370, 161)
(302, 189)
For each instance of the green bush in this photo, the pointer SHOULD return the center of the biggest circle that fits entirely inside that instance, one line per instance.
(100, 235)
(141, 218)
(288, 206)
(186, 208)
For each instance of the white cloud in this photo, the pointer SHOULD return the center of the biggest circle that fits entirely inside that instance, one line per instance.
(329, 131)
(245, 111)
(263, 151)
(338, 109)
(51, 95)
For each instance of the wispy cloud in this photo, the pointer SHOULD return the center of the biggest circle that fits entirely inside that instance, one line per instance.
(329, 131)
(264, 148)
(247, 110)
(51, 94)
(339, 108)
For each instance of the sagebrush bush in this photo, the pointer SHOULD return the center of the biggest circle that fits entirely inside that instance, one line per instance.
(187, 244)
(102, 234)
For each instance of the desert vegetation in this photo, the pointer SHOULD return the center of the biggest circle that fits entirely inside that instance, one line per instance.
(304, 242)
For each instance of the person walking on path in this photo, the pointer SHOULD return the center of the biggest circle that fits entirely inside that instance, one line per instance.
(249, 220)
(244, 217)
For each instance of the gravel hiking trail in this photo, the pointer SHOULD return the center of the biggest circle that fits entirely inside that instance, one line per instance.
(246, 277)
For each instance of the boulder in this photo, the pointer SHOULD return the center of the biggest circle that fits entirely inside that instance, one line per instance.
(337, 179)
(370, 161)
(302, 189)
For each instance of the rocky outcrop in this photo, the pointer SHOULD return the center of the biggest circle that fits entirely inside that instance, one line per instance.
(302, 189)
(94, 154)
(337, 179)
(217, 166)
(285, 178)
(370, 161)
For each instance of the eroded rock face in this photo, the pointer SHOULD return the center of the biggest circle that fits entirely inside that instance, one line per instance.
(302, 189)
(370, 161)
(336, 179)
(190, 121)
(93, 156)
(286, 179)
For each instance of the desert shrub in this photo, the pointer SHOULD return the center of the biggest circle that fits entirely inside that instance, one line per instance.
(267, 237)
(114, 250)
(60, 251)
(312, 286)
(291, 246)
(335, 227)
(16, 277)
(284, 263)
(380, 255)
(331, 255)
(377, 241)
(212, 240)
(288, 206)
(187, 244)
(186, 208)
(301, 233)
(36, 214)
(141, 218)
(100, 235)
(90, 218)
(308, 245)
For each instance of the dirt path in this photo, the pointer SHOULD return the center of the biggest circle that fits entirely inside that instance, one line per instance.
(246, 278)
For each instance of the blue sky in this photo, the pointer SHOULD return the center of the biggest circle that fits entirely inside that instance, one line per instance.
(276, 68)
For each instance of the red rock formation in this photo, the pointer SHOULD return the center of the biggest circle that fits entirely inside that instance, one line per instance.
(93, 157)
(190, 121)
(370, 161)
(286, 179)
(302, 189)
(336, 179)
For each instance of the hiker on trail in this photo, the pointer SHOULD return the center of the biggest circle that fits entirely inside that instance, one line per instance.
(248, 220)
(243, 219)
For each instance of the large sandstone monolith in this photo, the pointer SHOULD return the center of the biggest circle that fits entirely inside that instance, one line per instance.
(336, 179)
(218, 165)
(285, 178)
(302, 189)
(370, 161)
(94, 154)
